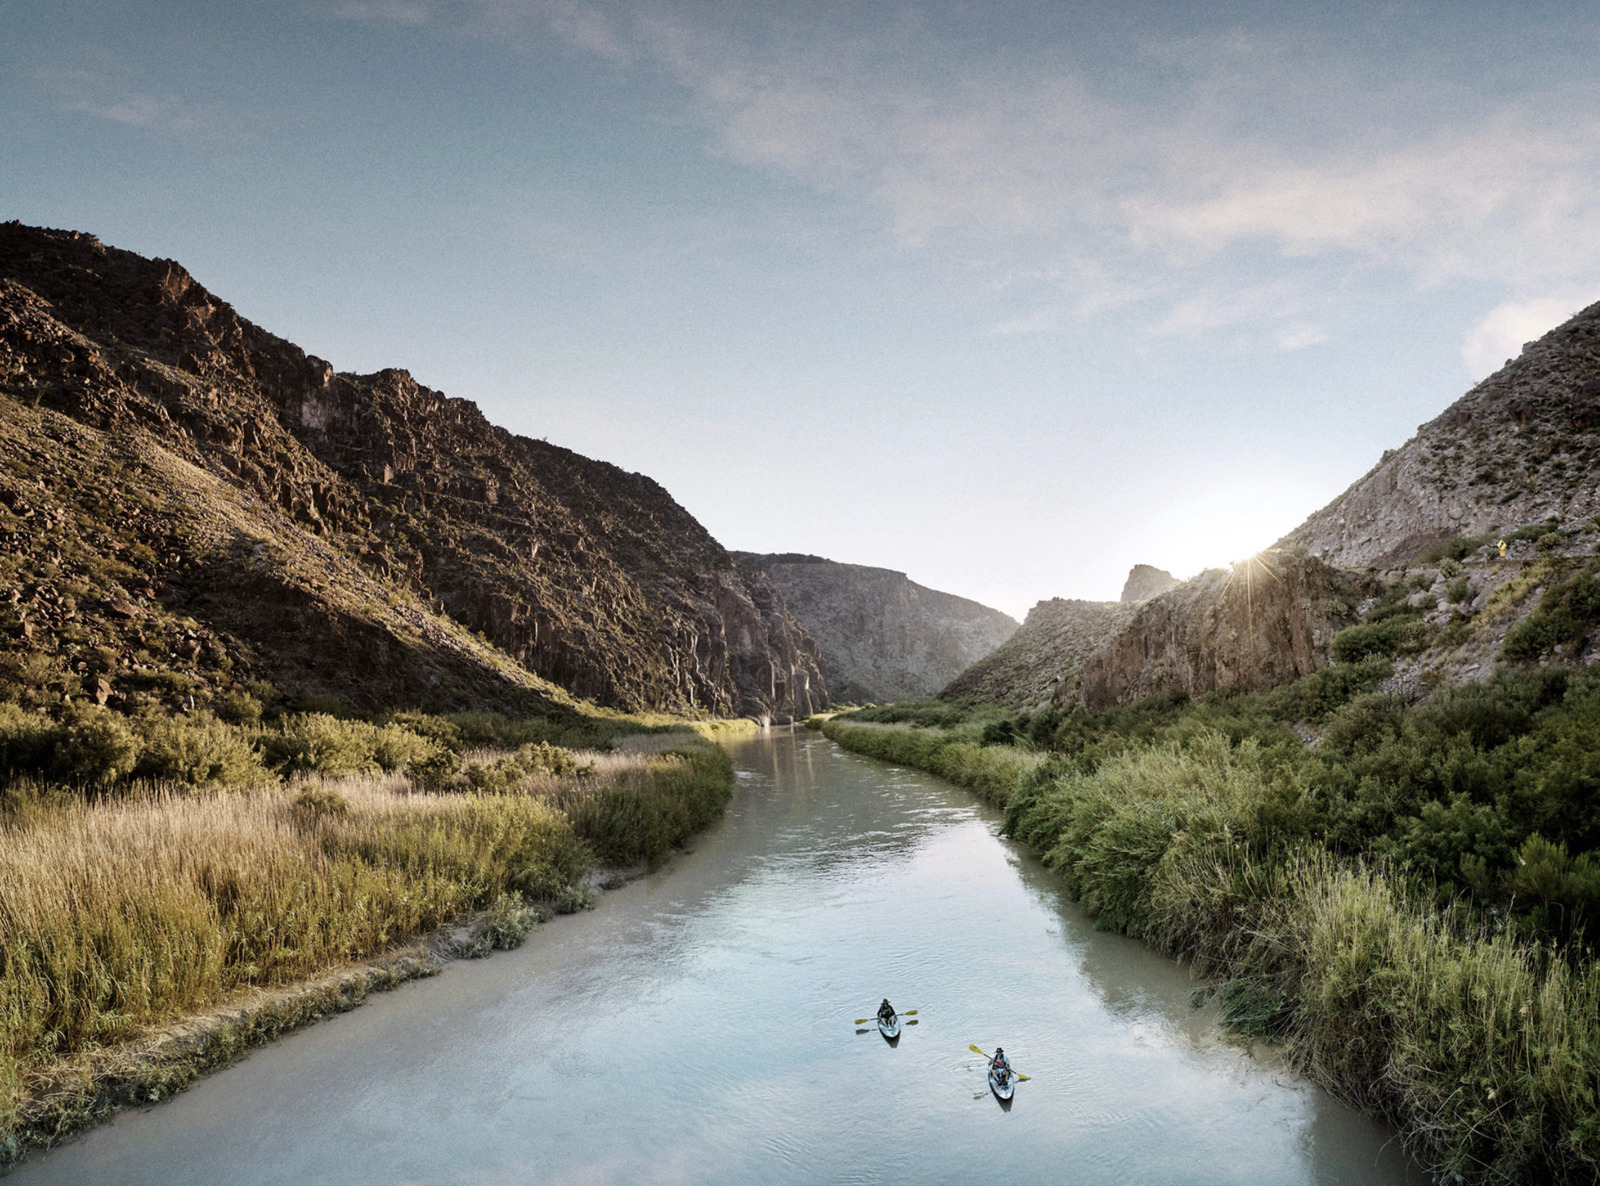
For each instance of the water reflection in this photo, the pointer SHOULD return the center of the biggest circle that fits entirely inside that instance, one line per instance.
(698, 1026)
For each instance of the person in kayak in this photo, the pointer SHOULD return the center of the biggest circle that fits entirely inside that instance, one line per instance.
(1001, 1064)
(886, 1011)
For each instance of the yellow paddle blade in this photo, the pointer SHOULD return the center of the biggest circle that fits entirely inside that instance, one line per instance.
(909, 1013)
(975, 1050)
(862, 1020)
(1023, 1077)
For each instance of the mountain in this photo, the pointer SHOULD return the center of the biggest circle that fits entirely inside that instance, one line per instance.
(1146, 581)
(190, 502)
(1521, 447)
(1043, 661)
(880, 635)
(1406, 565)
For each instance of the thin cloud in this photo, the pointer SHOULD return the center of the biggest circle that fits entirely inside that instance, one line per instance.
(114, 96)
(1243, 172)
(1505, 329)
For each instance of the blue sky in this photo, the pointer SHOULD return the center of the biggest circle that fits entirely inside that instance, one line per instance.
(1008, 296)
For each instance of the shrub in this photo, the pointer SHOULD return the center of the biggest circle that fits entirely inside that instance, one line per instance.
(394, 748)
(240, 708)
(1389, 636)
(199, 751)
(96, 749)
(315, 803)
(505, 925)
(321, 744)
(1567, 612)
(1458, 548)
(27, 742)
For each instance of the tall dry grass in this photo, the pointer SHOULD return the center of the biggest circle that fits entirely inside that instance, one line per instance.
(120, 915)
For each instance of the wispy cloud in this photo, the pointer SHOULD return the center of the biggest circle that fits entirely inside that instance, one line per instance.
(1508, 327)
(1242, 150)
(113, 94)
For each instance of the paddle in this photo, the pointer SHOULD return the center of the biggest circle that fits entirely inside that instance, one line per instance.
(864, 1020)
(1017, 1073)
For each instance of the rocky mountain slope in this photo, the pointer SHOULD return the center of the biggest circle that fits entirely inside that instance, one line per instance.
(1043, 661)
(190, 502)
(1472, 545)
(1521, 447)
(1146, 581)
(1263, 623)
(881, 636)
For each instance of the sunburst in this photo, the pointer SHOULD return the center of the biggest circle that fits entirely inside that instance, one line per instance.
(1246, 572)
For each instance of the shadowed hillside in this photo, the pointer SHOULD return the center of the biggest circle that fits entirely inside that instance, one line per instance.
(880, 635)
(189, 501)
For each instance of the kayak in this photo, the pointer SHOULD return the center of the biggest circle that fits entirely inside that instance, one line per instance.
(889, 1027)
(1003, 1090)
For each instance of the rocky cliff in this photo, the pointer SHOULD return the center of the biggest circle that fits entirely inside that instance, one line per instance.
(1043, 661)
(1521, 447)
(1267, 621)
(191, 500)
(1146, 581)
(881, 636)
(1408, 559)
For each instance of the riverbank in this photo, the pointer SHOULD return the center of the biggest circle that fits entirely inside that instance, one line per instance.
(1207, 832)
(153, 933)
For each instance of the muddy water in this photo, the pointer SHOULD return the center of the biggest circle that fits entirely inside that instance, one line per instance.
(697, 1027)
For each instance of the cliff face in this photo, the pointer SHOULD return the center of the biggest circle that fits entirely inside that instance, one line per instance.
(1517, 457)
(1043, 661)
(1267, 622)
(1521, 447)
(1146, 581)
(360, 534)
(880, 636)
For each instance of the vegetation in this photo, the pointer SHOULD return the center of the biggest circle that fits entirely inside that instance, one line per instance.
(1409, 904)
(271, 853)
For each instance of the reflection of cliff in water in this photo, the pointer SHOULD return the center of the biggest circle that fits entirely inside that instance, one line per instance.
(826, 807)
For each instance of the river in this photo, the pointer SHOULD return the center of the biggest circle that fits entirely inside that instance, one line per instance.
(697, 1027)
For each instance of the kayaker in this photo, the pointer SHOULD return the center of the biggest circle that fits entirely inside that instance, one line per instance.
(886, 1011)
(1000, 1063)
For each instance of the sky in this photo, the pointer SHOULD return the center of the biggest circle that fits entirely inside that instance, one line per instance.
(1008, 296)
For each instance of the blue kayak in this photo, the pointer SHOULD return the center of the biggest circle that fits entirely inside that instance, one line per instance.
(889, 1026)
(1003, 1089)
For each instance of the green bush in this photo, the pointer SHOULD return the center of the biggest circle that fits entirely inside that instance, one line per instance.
(198, 751)
(95, 749)
(1394, 635)
(27, 742)
(316, 743)
(643, 819)
(1567, 613)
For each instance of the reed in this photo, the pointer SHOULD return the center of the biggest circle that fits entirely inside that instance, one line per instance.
(120, 915)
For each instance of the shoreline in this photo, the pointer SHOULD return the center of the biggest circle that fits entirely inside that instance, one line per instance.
(68, 1098)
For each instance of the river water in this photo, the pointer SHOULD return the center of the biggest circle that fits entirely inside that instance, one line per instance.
(697, 1027)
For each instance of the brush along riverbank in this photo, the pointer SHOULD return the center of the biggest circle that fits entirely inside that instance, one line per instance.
(127, 909)
(1406, 906)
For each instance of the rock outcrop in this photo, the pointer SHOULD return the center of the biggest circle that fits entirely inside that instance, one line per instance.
(879, 635)
(1043, 661)
(355, 534)
(1146, 581)
(1268, 621)
(1521, 447)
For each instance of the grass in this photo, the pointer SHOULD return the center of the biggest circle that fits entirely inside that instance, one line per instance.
(121, 914)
